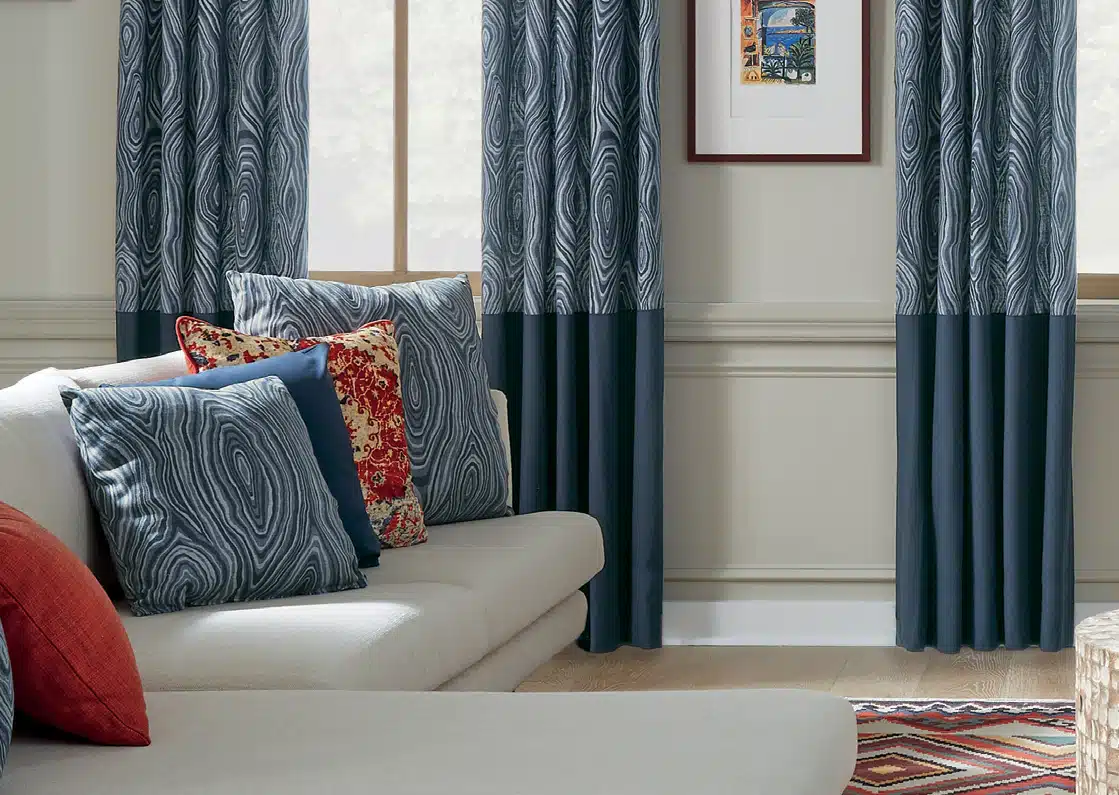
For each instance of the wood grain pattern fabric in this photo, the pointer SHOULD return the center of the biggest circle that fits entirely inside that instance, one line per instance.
(364, 369)
(454, 440)
(210, 496)
(573, 280)
(7, 701)
(212, 148)
(986, 299)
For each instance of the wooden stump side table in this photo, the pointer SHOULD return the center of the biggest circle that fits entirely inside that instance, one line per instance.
(1097, 705)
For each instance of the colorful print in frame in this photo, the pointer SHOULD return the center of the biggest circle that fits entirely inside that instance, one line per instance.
(778, 42)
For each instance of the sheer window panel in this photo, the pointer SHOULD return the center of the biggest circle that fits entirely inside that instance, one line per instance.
(351, 220)
(444, 136)
(1097, 149)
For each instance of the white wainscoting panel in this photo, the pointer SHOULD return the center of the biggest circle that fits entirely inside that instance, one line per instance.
(779, 459)
(66, 334)
(780, 471)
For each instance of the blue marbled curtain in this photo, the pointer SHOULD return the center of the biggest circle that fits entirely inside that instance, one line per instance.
(573, 288)
(211, 158)
(986, 300)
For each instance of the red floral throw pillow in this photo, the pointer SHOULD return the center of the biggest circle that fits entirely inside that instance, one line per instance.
(366, 372)
(72, 664)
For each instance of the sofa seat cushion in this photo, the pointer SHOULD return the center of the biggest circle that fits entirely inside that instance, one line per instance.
(410, 636)
(428, 613)
(515, 569)
(752, 742)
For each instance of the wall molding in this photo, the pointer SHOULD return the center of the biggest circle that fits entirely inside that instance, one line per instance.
(847, 322)
(794, 623)
(843, 322)
(828, 574)
(849, 339)
(738, 370)
(67, 334)
(779, 323)
(43, 319)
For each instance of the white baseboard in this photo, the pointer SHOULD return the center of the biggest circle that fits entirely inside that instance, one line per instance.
(794, 623)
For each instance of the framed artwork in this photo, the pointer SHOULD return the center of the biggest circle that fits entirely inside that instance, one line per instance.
(778, 81)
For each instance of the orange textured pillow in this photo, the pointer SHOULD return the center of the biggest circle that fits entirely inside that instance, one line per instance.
(72, 664)
(366, 370)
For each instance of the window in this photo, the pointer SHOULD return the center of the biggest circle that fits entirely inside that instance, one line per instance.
(395, 186)
(1097, 149)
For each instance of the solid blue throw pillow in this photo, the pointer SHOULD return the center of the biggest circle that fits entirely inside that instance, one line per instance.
(307, 379)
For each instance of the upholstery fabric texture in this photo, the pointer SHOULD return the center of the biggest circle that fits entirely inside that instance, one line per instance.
(458, 463)
(41, 470)
(507, 666)
(7, 701)
(307, 378)
(71, 660)
(430, 612)
(653, 743)
(573, 280)
(986, 327)
(366, 373)
(212, 152)
(210, 496)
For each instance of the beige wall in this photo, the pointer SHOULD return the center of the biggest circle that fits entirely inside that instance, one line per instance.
(780, 423)
(780, 392)
(725, 243)
(780, 441)
(57, 136)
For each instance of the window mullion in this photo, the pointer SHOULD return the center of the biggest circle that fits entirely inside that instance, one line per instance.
(400, 137)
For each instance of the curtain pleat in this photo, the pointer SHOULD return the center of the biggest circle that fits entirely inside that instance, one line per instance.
(211, 158)
(986, 327)
(573, 286)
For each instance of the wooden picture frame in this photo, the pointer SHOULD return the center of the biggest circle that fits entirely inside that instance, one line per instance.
(857, 149)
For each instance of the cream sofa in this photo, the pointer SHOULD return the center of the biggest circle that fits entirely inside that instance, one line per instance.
(477, 607)
(741, 742)
(292, 708)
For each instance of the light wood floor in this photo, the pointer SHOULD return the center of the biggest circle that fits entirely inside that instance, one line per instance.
(854, 672)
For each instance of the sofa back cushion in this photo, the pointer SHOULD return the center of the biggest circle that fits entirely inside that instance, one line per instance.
(137, 371)
(41, 472)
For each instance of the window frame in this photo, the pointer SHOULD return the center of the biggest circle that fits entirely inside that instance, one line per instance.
(1097, 286)
(399, 272)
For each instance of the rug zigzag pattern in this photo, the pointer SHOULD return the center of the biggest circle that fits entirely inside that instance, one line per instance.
(965, 748)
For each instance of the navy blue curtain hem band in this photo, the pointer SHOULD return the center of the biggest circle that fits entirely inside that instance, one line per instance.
(579, 313)
(1005, 315)
(984, 502)
(152, 333)
(586, 405)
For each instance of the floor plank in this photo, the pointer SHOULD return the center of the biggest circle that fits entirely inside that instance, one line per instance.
(880, 673)
(851, 672)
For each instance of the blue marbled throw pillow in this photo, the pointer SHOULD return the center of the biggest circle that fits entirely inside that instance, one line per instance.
(454, 441)
(7, 701)
(210, 496)
(307, 379)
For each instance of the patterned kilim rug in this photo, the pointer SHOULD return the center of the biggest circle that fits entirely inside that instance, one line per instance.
(965, 748)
